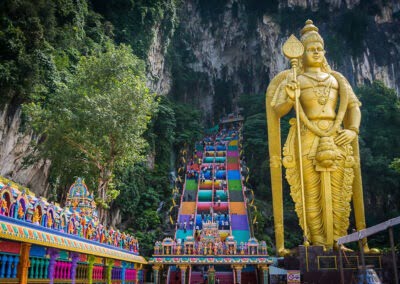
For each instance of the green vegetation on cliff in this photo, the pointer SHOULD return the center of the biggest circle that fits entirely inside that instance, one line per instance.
(40, 43)
(136, 22)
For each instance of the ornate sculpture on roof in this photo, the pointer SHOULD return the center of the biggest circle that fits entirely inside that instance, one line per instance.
(79, 199)
(78, 217)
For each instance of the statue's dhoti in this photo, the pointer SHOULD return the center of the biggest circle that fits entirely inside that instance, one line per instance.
(328, 178)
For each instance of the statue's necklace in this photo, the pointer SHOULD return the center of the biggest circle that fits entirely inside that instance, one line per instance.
(322, 94)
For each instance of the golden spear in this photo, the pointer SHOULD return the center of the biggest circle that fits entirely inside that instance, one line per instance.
(293, 49)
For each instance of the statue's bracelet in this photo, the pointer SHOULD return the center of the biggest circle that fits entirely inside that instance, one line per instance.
(355, 129)
(290, 100)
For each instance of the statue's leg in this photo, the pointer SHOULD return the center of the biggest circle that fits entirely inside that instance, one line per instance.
(312, 187)
(342, 180)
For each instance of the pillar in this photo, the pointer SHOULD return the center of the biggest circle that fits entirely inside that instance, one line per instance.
(24, 263)
(14, 271)
(123, 272)
(10, 263)
(46, 268)
(91, 260)
(40, 266)
(74, 257)
(52, 263)
(211, 275)
(4, 260)
(183, 272)
(265, 272)
(238, 269)
(156, 271)
(37, 268)
(109, 264)
(138, 267)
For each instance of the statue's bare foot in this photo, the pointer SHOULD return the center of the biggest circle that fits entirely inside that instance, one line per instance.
(368, 250)
(283, 252)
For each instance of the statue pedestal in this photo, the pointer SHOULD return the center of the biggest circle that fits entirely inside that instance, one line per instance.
(308, 257)
(319, 266)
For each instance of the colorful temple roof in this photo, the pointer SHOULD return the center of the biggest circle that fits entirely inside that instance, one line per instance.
(27, 218)
(21, 231)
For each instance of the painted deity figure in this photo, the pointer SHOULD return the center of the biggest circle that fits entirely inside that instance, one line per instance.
(4, 207)
(36, 216)
(20, 211)
(329, 115)
(49, 221)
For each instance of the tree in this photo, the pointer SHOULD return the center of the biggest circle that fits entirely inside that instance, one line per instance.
(396, 165)
(99, 114)
(379, 146)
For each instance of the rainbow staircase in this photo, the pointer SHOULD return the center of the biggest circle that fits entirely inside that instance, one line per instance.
(215, 194)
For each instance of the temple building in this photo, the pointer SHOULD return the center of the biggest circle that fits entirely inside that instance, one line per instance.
(44, 243)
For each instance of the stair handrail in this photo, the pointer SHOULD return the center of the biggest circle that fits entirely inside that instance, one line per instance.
(227, 189)
(249, 221)
(197, 203)
(213, 179)
(180, 207)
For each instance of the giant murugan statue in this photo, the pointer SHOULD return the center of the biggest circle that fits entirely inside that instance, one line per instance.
(321, 153)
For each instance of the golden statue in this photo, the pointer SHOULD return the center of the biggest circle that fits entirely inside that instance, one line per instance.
(324, 176)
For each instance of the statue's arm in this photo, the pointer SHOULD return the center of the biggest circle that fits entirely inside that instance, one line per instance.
(284, 102)
(351, 124)
(354, 118)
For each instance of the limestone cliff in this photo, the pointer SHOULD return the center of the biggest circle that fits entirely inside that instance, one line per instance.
(231, 48)
(222, 49)
(14, 147)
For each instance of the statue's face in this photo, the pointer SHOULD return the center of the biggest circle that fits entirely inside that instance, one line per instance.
(314, 54)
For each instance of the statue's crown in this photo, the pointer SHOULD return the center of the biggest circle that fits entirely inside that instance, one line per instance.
(310, 34)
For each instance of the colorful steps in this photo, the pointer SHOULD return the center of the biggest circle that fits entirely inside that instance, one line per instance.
(237, 208)
(236, 196)
(180, 234)
(188, 208)
(238, 212)
(190, 184)
(200, 199)
(235, 185)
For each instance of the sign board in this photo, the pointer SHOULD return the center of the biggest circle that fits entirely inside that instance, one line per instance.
(293, 276)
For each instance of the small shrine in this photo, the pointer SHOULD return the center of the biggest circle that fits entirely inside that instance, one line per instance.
(210, 240)
(80, 200)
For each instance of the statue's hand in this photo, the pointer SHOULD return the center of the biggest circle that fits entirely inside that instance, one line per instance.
(292, 87)
(345, 137)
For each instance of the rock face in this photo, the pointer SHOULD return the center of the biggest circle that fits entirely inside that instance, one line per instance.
(222, 49)
(234, 50)
(159, 79)
(14, 147)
